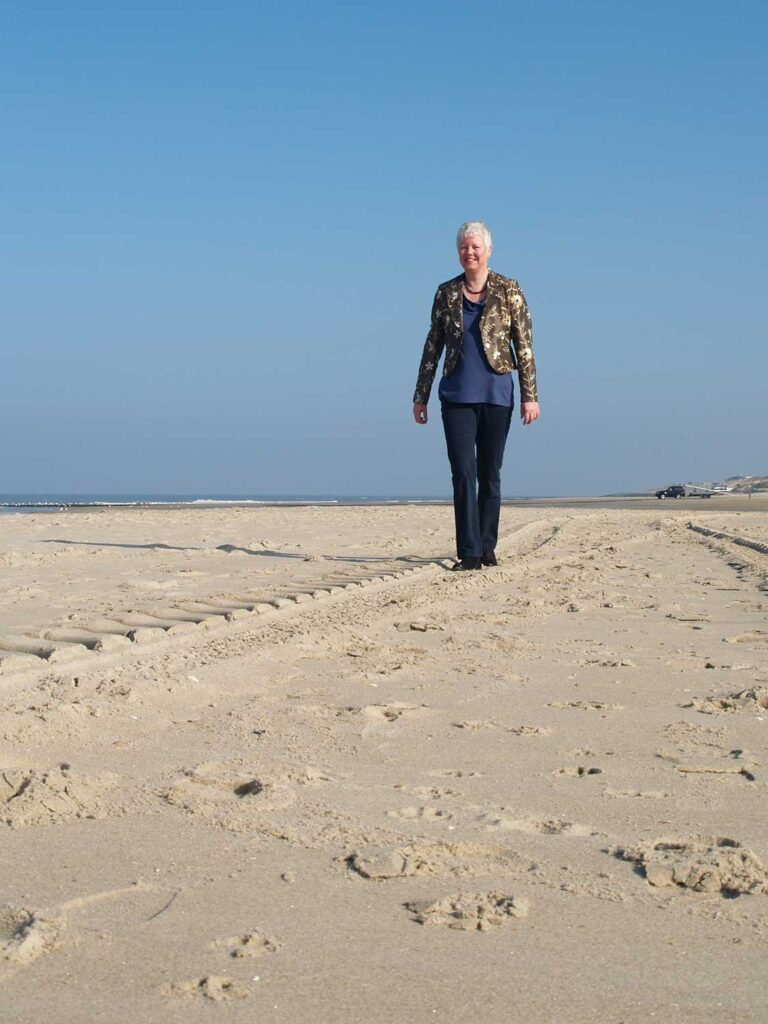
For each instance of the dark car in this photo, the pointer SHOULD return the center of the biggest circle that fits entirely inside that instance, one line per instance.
(673, 491)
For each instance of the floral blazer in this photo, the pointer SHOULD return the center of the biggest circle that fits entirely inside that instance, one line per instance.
(505, 327)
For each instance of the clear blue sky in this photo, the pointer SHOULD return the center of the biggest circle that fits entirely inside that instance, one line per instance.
(222, 227)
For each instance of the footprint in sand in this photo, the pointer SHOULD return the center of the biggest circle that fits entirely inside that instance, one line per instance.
(229, 794)
(421, 814)
(378, 717)
(690, 736)
(698, 864)
(211, 987)
(584, 705)
(534, 826)
(57, 719)
(752, 700)
(755, 636)
(420, 625)
(475, 724)
(528, 730)
(390, 712)
(610, 662)
(436, 860)
(455, 773)
(578, 771)
(40, 796)
(506, 644)
(27, 935)
(469, 911)
(252, 944)
(636, 794)
(429, 792)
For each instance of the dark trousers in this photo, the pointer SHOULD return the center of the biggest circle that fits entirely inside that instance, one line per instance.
(475, 435)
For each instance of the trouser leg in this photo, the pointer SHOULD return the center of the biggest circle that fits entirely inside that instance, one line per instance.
(460, 425)
(492, 430)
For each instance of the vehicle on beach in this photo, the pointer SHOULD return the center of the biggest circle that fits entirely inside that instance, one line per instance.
(700, 491)
(673, 491)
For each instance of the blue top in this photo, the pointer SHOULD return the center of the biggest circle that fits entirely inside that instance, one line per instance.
(473, 380)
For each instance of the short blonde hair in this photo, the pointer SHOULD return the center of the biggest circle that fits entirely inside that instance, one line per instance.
(476, 228)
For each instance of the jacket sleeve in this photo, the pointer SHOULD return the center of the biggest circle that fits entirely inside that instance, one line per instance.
(522, 339)
(433, 349)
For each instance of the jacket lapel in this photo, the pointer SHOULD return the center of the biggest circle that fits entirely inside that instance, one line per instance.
(492, 298)
(453, 298)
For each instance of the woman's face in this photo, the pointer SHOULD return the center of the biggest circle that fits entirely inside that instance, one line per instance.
(473, 254)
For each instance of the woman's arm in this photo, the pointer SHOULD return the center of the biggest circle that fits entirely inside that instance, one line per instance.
(433, 349)
(522, 339)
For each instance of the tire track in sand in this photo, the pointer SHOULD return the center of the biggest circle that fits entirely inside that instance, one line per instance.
(116, 637)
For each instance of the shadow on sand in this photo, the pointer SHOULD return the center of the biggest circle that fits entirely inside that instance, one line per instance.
(408, 560)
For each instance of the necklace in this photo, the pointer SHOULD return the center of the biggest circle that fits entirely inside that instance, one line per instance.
(475, 291)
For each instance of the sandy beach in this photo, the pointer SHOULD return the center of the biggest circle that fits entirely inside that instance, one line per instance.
(278, 764)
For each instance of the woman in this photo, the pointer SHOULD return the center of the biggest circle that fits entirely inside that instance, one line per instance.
(481, 320)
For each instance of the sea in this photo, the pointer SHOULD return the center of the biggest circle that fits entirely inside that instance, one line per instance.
(26, 503)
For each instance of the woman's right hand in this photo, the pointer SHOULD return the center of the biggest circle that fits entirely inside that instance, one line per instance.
(420, 413)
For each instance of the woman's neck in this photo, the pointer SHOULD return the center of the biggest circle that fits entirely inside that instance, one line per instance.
(475, 280)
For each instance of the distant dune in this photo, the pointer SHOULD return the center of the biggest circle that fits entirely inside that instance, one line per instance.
(743, 485)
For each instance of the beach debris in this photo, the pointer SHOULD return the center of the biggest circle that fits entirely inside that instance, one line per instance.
(469, 911)
(704, 864)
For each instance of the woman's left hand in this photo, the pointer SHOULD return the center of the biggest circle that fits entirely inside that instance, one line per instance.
(529, 411)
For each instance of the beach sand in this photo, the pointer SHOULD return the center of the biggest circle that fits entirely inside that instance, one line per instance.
(277, 764)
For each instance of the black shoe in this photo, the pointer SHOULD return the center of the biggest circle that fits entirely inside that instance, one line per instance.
(489, 558)
(467, 563)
